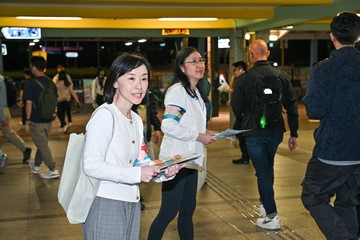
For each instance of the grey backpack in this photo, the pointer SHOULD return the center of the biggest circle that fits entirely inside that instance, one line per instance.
(47, 102)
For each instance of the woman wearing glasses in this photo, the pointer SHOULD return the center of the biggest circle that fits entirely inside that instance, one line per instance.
(184, 128)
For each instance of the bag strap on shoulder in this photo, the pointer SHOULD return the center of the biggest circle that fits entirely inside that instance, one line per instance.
(39, 83)
(112, 114)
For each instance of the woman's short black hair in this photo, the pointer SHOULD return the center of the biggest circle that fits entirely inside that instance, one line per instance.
(123, 64)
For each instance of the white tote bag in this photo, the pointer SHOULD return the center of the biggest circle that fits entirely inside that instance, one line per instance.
(77, 191)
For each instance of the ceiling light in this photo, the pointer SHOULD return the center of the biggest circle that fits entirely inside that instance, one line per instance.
(128, 43)
(32, 44)
(47, 18)
(273, 37)
(187, 19)
(288, 27)
(36, 40)
(141, 40)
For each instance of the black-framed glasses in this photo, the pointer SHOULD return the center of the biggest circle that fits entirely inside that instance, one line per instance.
(195, 62)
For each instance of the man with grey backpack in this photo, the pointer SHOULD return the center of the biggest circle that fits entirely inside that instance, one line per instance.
(40, 94)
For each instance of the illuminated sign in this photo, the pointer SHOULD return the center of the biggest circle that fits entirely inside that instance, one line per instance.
(73, 48)
(175, 32)
(224, 43)
(71, 54)
(52, 50)
(21, 33)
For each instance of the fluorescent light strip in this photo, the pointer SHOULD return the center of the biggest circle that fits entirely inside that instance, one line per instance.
(187, 19)
(48, 18)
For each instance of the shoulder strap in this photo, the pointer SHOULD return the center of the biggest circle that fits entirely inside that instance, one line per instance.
(112, 114)
(277, 72)
(39, 83)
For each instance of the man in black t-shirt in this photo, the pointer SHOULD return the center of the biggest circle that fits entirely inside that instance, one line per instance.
(39, 128)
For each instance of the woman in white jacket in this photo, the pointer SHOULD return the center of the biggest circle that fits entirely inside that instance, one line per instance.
(114, 142)
(184, 128)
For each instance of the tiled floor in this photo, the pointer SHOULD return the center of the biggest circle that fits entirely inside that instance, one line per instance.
(226, 205)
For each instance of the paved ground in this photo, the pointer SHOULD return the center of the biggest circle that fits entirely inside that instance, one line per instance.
(226, 207)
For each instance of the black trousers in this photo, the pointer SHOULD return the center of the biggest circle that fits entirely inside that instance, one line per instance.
(62, 109)
(241, 138)
(178, 196)
(321, 183)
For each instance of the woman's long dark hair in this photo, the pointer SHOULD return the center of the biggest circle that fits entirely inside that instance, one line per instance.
(62, 76)
(123, 64)
(100, 80)
(179, 75)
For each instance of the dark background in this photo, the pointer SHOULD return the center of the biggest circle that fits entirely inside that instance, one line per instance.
(159, 53)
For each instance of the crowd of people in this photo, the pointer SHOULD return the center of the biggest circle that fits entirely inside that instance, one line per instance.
(260, 94)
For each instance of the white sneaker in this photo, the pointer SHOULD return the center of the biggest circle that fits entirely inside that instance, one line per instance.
(66, 127)
(3, 159)
(34, 168)
(262, 211)
(51, 174)
(269, 223)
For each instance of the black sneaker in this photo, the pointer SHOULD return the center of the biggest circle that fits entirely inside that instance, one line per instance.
(142, 206)
(142, 203)
(27, 155)
(240, 161)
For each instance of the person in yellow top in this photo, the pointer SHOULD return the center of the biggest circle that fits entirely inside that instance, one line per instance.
(60, 68)
(63, 87)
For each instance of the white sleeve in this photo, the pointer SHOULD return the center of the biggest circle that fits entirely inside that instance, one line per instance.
(175, 108)
(56, 78)
(98, 137)
(93, 89)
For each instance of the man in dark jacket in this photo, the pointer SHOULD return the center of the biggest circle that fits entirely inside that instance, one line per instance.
(240, 68)
(333, 97)
(262, 143)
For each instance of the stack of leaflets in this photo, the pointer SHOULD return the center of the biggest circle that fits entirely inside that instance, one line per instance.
(229, 133)
(169, 161)
(176, 159)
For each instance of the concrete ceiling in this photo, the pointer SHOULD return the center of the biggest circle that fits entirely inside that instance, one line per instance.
(140, 17)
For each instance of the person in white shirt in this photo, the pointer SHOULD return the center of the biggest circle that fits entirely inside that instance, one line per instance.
(97, 88)
(114, 142)
(184, 128)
